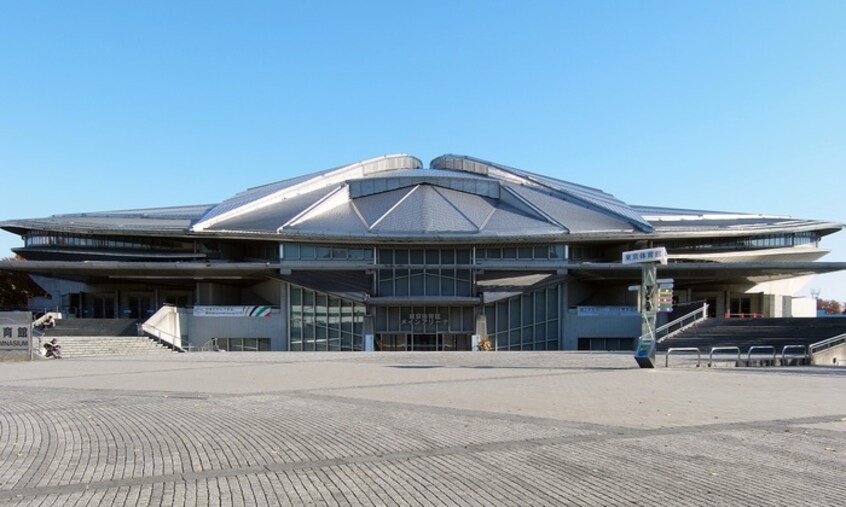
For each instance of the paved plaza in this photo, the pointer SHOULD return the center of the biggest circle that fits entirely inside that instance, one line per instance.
(418, 429)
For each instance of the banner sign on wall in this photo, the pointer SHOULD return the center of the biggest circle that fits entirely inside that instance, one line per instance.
(605, 311)
(232, 311)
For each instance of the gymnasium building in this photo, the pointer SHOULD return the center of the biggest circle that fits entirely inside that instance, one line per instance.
(389, 254)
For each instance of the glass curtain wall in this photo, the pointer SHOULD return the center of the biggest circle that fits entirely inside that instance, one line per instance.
(319, 321)
(425, 272)
(525, 322)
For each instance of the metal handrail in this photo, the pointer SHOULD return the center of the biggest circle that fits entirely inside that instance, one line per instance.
(760, 347)
(156, 333)
(683, 349)
(827, 343)
(715, 349)
(701, 312)
(784, 350)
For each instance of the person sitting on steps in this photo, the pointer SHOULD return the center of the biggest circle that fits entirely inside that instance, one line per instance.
(53, 349)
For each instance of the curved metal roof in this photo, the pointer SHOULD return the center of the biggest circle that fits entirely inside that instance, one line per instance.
(393, 198)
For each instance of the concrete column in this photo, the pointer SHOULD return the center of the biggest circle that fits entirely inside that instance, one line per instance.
(283, 340)
(564, 341)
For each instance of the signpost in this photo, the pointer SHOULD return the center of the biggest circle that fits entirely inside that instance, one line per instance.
(16, 334)
(650, 299)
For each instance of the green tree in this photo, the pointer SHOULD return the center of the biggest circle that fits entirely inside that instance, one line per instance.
(16, 288)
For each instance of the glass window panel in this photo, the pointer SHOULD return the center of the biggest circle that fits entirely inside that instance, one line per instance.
(509, 253)
(417, 256)
(307, 252)
(541, 252)
(448, 256)
(462, 288)
(490, 318)
(433, 257)
(454, 318)
(433, 284)
(323, 253)
(525, 252)
(501, 316)
(339, 253)
(385, 256)
(401, 283)
(401, 256)
(335, 313)
(552, 303)
(526, 335)
(386, 287)
(394, 318)
(528, 314)
(416, 282)
(514, 312)
(462, 256)
(296, 329)
(291, 250)
(447, 284)
(540, 305)
(514, 339)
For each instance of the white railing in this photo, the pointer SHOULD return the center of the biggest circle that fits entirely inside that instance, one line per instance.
(675, 327)
(827, 344)
(164, 327)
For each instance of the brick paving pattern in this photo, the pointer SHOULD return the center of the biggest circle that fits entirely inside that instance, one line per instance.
(227, 429)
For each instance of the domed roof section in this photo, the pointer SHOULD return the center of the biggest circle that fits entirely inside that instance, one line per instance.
(393, 198)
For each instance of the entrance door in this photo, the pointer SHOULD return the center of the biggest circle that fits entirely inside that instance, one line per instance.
(392, 342)
(140, 306)
(456, 341)
(426, 342)
(104, 307)
(741, 307)
(423, 342)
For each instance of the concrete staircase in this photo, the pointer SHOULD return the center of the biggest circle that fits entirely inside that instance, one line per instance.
(81, 346)
(745, 333)
(92, 327)
(101, 337)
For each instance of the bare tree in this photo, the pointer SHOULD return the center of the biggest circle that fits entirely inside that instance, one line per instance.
(830, 306)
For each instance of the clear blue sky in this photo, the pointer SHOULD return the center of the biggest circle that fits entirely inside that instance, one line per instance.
(727, 105)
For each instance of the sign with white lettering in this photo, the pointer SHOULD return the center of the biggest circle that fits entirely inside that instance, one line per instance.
(606, 311)
(15, 331)
(419, 319)
(232, 311)
(649, 255)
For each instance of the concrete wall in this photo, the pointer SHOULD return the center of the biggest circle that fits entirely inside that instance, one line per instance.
(599, 327)
(835, 356)
(803, 307)
(197, 331)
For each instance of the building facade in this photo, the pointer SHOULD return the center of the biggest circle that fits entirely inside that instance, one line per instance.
(404, 257)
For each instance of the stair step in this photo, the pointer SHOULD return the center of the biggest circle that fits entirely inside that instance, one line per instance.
(76, 346)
